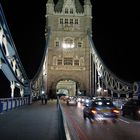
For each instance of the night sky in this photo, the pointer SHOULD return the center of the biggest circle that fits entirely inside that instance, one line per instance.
(116, 33)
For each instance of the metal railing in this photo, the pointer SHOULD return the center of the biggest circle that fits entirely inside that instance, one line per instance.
(64, 133)
(7, 104)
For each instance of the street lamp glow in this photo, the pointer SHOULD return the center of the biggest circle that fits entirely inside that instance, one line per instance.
(99, 89)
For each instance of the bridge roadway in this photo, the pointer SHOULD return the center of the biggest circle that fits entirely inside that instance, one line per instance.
(30, 122)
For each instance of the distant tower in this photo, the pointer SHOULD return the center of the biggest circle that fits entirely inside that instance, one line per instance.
(68, 50)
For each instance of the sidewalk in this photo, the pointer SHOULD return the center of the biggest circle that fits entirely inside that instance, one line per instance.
(30, 122)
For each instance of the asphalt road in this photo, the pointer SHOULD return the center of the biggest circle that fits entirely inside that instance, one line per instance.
(40, 122)
(124, 129)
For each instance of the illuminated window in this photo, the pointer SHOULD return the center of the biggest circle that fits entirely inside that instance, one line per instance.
(68, 43)
(68, 61)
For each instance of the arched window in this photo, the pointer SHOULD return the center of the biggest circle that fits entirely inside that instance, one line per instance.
(66, 11)
(68, 43)
(71, 11)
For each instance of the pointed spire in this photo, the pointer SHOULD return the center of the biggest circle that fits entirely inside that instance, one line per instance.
(79, 8)
(87, 2)
(50, 6)
(59, 5)
(50, 2)
(87, 8)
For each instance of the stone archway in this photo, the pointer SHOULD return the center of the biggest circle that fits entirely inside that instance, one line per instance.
(78, 82)
(67, 85)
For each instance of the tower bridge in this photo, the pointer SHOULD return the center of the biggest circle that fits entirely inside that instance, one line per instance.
(70, 60)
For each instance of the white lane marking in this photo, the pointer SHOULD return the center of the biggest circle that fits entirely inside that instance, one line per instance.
(124, 121)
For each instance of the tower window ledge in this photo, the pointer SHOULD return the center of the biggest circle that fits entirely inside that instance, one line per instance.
(78, 68)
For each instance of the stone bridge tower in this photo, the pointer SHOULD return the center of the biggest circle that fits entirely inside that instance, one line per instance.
(68, 50)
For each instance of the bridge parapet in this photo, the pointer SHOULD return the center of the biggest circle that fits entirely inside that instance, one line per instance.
(12, 103)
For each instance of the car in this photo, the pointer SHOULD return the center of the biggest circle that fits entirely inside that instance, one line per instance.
(86, 100)
(72, 100)
(101, 110)
(132, 109)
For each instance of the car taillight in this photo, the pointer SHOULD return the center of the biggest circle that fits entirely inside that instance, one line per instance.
(116, 111)
(93, 111)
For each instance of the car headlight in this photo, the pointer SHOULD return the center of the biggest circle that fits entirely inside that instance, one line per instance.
(87, 101)
(138, 111)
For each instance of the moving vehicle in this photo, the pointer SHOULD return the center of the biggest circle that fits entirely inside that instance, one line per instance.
(72, 100)
(132, 109)
(101, 110)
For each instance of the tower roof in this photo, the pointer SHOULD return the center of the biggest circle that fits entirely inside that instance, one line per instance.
(87, 2)
(50, 1)
(78, 6)
(60, 3)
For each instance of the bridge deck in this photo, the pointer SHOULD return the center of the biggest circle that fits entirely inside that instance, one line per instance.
(30, 122)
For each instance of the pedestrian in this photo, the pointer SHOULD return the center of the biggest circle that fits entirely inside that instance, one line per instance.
(46, 98)
(42, 98)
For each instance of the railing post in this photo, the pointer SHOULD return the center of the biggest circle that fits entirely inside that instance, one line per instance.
(1, 106)
(11, 104)
(15, 102)
(7, 105)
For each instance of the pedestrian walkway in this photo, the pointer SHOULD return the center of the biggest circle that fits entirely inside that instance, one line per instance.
(30, 122)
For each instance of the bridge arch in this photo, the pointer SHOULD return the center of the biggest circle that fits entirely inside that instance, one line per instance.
(79, 85)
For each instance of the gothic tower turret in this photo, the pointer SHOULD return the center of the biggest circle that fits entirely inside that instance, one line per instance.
(87, 8)
(50, 7)
(88, 14)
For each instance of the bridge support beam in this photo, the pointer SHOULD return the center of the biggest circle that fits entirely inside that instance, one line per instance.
(111, 94)
(21, 92)
(12, 88)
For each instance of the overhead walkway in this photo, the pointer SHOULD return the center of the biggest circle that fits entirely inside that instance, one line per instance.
(31, 122)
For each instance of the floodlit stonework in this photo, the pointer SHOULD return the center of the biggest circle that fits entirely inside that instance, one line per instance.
(68, 51)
